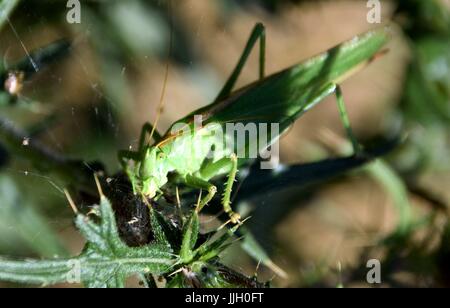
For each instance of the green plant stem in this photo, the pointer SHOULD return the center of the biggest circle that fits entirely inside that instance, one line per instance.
(393, 184)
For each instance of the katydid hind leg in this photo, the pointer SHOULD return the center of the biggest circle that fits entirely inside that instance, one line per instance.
(346, 121)
(125, 156)
(258, 33)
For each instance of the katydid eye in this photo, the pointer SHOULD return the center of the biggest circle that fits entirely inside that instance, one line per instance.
(161, 155)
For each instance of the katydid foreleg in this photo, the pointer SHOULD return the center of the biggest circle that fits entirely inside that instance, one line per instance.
(148, 129)
(126, 156)
(199, 183)
(209, 171)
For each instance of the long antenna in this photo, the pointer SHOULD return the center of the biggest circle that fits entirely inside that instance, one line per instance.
(166, 75)
(35, 67)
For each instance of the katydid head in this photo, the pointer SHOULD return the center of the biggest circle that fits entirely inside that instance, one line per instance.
(153, 171)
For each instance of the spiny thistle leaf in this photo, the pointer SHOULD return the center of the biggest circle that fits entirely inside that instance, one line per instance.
(190, 236)
(161, 230)
(105, 262)
(211, 249)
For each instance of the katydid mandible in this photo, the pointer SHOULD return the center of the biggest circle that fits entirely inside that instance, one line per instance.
(280, 98)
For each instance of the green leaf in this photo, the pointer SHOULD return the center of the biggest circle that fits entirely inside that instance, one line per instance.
(21, 224)
(427, 89)
(6, 8)
(252, 247)
(35, 271)
(105, 262)
(164, 234)
(42, 57)
(303, 176)
(393, 184)
(211, 249)
(190, 235)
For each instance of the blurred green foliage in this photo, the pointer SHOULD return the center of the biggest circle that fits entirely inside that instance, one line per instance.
(425, 104)
(116, 42)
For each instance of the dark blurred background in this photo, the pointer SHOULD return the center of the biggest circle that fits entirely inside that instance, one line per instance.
(93, 102)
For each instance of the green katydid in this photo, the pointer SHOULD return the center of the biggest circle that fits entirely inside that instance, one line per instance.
(280, 98)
